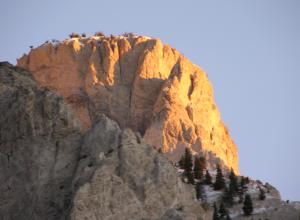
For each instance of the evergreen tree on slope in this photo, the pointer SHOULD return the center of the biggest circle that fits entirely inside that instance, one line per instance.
(216, 214)
(199, 167)
(248, 207)
(208, 179)
(220, 182)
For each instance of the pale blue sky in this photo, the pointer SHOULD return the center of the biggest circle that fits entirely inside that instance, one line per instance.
(250, 50)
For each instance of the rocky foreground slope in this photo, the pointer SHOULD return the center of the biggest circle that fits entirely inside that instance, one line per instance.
(141, 84)
(271, 207)
(49, 170)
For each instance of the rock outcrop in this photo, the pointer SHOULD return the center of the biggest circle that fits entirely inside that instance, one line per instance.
(140, 83)
(39, 148)
(52, 170)
(132, 181)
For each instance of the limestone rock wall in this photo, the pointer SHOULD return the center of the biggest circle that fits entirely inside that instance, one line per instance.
(39, 148)
(50, 170)
(142, 84)
(132, 181)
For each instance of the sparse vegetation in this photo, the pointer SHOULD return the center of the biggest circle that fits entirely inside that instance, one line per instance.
(223, 211)
(112, 36)
(228, 217)
(233, 184)
(248, 207)
(99, 34)
(188, 165)
(83, 35)
(190, 177)
(244, 182)
(241, 195)
(199, 190)
(208, 179)
(216, 214)
(220, 182)
(233, 190)
(181, 162)
(74, 35)
(128, 34)
(199, 167)
(262, 194)
(228, 196)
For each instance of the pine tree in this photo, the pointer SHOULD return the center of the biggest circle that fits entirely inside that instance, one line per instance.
(247, 180)
(199, 191)
(197, 172)
(228, 196)
(188, 165)
(242, 189)
(241, 195)
(215, 215)
(199, 167)
(228, 217)
(248, 207)
(188, 160)
(202, 164)
(208, 179)
(222, 210)
(231, 190)
(181, 162)
(220, 182)
(233, 184)
(262, 194)
(190, 177)
(243, 183)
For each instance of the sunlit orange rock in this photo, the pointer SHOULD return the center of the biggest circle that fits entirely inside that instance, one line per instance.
(140, 83)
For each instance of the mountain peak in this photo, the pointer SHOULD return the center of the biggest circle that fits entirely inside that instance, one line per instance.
(140, 83)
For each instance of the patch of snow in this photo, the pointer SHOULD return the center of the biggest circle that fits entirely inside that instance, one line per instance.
(296, 205)
(269, 196)
(259, 210)
(211, 195)
(235, 214)
(180, 171)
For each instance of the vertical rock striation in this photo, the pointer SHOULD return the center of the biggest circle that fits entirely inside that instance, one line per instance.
(140, 83)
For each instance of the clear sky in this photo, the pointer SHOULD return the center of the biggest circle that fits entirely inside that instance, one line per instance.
(250, 50)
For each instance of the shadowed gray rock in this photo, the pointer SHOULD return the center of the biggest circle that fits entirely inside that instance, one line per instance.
(133, 181)
(50, 171)
(39, 148)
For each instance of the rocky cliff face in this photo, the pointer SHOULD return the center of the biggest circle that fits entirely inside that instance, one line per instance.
(51, 170)
(140, 83)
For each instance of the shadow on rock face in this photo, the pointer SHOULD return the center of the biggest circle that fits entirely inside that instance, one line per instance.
(49, 170)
